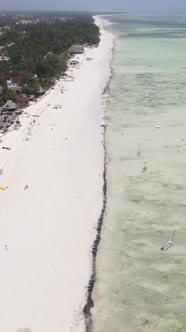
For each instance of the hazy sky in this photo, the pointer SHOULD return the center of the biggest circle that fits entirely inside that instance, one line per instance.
(97, 5)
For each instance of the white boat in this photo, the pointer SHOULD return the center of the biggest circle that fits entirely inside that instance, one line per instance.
(166, 245)
(158, 125)
(146, 95)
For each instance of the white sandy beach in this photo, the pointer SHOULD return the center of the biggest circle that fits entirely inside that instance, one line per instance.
(47, 230)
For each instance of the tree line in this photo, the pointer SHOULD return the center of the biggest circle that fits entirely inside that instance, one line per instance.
(38, 50)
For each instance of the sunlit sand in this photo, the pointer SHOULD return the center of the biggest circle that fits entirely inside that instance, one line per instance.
(53, 179)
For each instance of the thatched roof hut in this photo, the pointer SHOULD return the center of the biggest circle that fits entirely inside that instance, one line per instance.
(76, 49)
(40, 91)
(9, 106)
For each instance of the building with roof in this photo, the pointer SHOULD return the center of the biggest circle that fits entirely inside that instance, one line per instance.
(40, 91)
(4, 58)
(6, 74)
(76, 49)
(13, 83)
(23, 99)
(9, 107)
(17, 79)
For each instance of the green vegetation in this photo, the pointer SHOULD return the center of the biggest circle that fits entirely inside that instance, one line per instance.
(37, 44)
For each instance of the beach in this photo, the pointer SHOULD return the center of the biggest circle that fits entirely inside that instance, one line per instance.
(53, 181)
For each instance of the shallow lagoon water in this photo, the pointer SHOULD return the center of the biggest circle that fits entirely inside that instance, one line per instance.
(139, 287)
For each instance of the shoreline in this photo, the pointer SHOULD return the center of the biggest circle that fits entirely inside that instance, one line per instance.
(90, 303)
(52, 200)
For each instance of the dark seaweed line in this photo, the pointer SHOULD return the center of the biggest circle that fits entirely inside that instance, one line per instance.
(90, 302)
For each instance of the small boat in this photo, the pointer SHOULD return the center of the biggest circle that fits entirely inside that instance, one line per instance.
(146, 95)
(166, 245)
(144, 168)
(158, 125)
(169, 243)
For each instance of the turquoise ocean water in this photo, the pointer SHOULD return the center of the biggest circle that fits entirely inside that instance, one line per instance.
(140, 288)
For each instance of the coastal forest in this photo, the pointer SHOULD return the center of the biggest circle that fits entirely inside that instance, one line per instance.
(34, 46)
